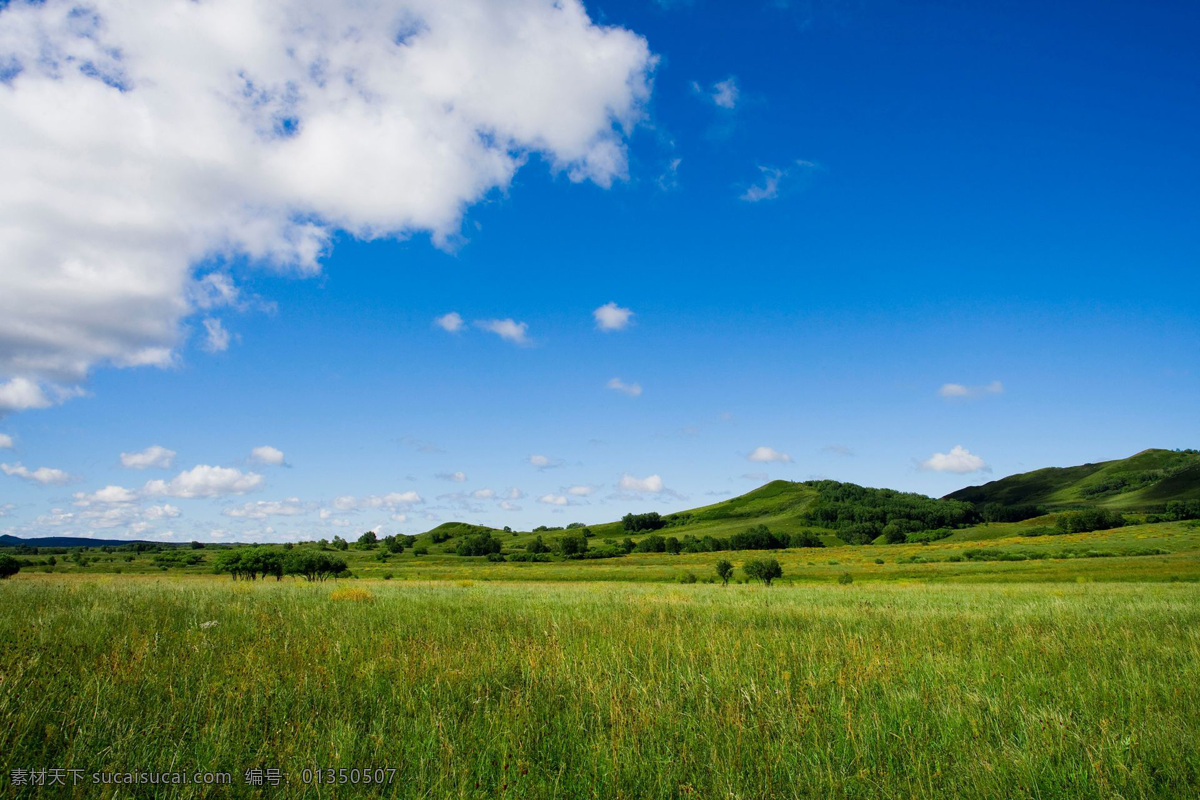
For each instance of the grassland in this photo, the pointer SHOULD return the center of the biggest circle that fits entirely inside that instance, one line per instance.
(475, 689)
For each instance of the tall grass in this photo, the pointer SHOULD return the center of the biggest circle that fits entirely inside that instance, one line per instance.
(619, 690)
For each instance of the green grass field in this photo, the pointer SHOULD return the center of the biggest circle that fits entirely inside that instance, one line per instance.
(496, 689)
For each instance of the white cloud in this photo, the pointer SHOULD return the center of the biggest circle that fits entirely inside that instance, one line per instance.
(652, 484)
(772, 179)
(953, 390)
(392, 501)
(483, 494)
(507, 329)
(768, 189)
(456, 477)
(267, 455)
(581, 491)
(723, 94)
(165, 511)
(452, 322)
(611, 317)
(553, 500)
(42, 475)
(21, 394)
(262, 509)
(216, 339)
(6, 441)
(959, 460)
(765, 454)
(154, 456)
(205, 481)
(507, 506)
(514, 493)
(545, 462)
(631, 389)
(108, 496)
(142, 139)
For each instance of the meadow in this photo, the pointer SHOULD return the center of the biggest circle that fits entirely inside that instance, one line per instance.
(475, 688)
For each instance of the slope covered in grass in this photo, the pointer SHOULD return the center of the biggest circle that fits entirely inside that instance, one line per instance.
(1147, 480)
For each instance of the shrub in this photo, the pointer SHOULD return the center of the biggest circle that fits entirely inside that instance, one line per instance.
(651, 521)
(1091, 519)
(479, 544)
(9, 566)
(764, 569)
(879, 561)
(495, 557)
(421, 550)
(845, 579)
(688, 577)
(387, 576)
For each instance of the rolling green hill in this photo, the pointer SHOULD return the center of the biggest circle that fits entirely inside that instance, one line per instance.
(1145, 481)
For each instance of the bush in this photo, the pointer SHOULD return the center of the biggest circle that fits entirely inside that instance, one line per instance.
(421, 550)
(495, 557)
(9, 566)
(387, 576)
(688, 577)
(651, 521)
(764, 569)
(1092, 519)
(479, 544)
(845, 579)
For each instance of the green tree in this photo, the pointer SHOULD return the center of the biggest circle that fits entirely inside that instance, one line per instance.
(368, 540)
(724, 571)
(763, 569)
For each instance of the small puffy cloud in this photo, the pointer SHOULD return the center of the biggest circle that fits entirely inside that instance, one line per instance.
(545, 462)
(553, 499)
(507, 329)
(267, 455)
(262, 509)
(514, 493)
(451, 323)
(108, 496)
(205, 481)
(631, 389)
(23, 394)
(767, 454)
(6, 441)
(652, 484)
(723, 94)
(959, 460)
(611, 317)
(154, 456)
(581, 491)
(507, 506)
(216, 337)
(454, 477)
(43, 475)
(483, 494)
(955, 390)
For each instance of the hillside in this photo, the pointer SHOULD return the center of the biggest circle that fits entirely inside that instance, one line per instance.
(1146, 481)
(71, 541)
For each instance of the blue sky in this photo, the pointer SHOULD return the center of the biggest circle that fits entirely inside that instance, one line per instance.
(909, 245)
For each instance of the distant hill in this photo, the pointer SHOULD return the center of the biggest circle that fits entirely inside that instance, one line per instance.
(1145, 481)
(71, 541)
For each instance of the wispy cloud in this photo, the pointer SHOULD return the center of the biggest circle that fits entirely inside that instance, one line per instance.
(631, 389)
(723, 94)
(956, 390)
